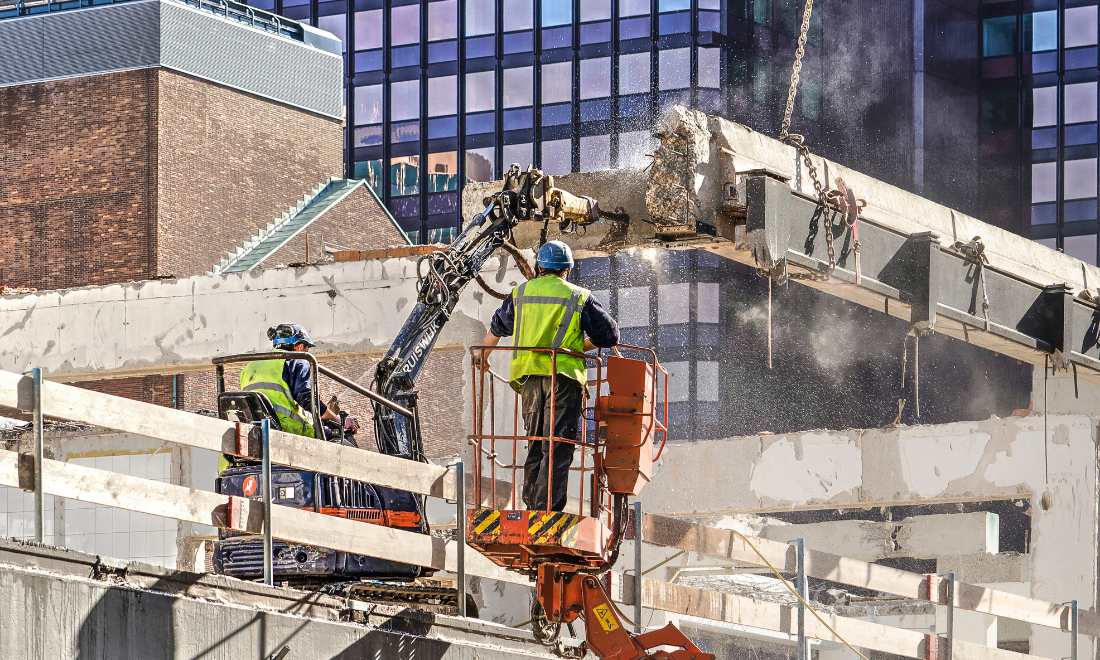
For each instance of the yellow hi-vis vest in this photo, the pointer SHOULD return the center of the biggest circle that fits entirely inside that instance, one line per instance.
(266, 377)
(548, 314)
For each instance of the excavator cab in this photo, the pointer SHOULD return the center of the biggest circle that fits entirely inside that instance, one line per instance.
(247, 407)
(567, 552)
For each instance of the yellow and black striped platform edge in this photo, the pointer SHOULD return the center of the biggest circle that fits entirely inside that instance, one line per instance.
(487, 522)
(553, 527)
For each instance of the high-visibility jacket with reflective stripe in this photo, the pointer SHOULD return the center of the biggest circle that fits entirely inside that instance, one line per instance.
(548, 314)
(266, 376)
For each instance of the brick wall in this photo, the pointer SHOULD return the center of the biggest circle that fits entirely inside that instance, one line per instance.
(229, 164)
(442, 399)
(358, 222)
(150, 389)
(78, 172)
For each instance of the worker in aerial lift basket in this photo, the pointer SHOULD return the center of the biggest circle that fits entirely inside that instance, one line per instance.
(550, 312)
(287, 384)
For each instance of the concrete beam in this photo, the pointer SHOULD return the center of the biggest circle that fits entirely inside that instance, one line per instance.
(923, 536)
(353, 310)
(150, 612)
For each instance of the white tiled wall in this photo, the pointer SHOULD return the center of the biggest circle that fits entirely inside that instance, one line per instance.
(17, 515)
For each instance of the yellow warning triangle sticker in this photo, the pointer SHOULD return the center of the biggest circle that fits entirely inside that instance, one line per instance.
(605, 617)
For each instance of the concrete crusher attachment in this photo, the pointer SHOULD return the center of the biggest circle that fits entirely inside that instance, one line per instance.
(568, 552)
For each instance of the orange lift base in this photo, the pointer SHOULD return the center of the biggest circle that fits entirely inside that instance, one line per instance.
(520, 540)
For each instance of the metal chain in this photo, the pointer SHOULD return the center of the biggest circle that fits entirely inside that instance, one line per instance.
(797, 141)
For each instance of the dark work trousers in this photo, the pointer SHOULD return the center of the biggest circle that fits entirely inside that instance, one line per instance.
(536, 418)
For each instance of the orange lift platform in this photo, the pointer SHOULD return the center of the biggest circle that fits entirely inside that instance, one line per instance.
(568, 551)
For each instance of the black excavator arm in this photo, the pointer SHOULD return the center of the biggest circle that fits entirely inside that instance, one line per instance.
(527, 196)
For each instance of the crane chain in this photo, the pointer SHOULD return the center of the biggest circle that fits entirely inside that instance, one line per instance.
(798, 142)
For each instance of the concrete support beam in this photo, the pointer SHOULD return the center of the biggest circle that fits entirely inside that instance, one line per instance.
(150, 612)
(353, 309)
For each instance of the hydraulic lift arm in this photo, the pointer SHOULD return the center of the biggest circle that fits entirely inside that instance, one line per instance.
(527, 196)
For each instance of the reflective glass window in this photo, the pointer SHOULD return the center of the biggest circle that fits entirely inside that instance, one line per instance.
(811, 98)
(709, 67)
(404, 176)
(1080, 247)
(1080, 179)
(596, 78)
(1080, 102)
(762, 12)
(1081, 26)
(481, 17)
(368, 29)
(595, 10)
(371, 170)
(336, 25)
(634, 28)
(479, 164)
(674, 68)
(480, 91)
(999, 36)
(1044, 104)
(761, 80)
(442, 175)
(367, 136)
(519, 87)
(1044, 31)
(1044, 214)
(715, 5)
(595, 153)
(405, 100)
(634, 73)
(633, 7)
(442, 20)
(557, 157)
(557, 82)
(368, 105)
(557, 12)
(404, 25)
(1044, 182)
(522, 154)
(442, 96)
(519, 15)
(673, 5)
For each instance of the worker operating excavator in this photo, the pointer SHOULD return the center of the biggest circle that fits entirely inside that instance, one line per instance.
(550, 312)
(286, 383)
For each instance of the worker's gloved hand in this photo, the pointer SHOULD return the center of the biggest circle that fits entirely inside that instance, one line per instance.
(480, 361)
(351, 424)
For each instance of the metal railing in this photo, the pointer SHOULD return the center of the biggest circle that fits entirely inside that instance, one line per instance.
(243, 13)
(484, 438)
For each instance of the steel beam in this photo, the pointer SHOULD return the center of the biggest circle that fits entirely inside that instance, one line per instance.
(914, 276)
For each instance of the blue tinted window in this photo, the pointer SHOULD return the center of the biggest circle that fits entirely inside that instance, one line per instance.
(481, 47)
(557, 115)
(710, 21)
(405, 56)
(634, 28)
(1081, 58)
(368, 136)
(1080, 134)
(520, 42)
(408, 131)
(1044, 214)
(480, 123)
(999, 36)
(561, 37)
(522, 118)
(1044, 31)
(675, 23)
(369, 61)
(595, 110)
(442, 128)
(1044, 62)
(674, 5)
(446, 51)
(1077, 211)
(557, 12)
(405, 180)
(596, 33)
(1044, 138)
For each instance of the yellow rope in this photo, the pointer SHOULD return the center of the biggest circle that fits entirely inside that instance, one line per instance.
(787, 584)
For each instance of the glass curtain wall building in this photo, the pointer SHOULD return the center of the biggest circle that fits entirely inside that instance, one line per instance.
(1039, 105)
(446, 91)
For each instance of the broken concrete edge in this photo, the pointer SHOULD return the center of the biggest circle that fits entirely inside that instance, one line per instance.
(225, 590)
(719, 152)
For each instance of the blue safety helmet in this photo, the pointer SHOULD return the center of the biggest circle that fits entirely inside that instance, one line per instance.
(288, 334)
(555, 255)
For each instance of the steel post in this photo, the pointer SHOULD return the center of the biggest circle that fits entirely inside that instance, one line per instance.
(1073, 631)
(39, 456)
(637, 568)
(950, 615)
(804, 592)
(265, 444)
(460, 532)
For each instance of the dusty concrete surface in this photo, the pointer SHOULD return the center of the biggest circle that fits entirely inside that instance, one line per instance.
(55, 608)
